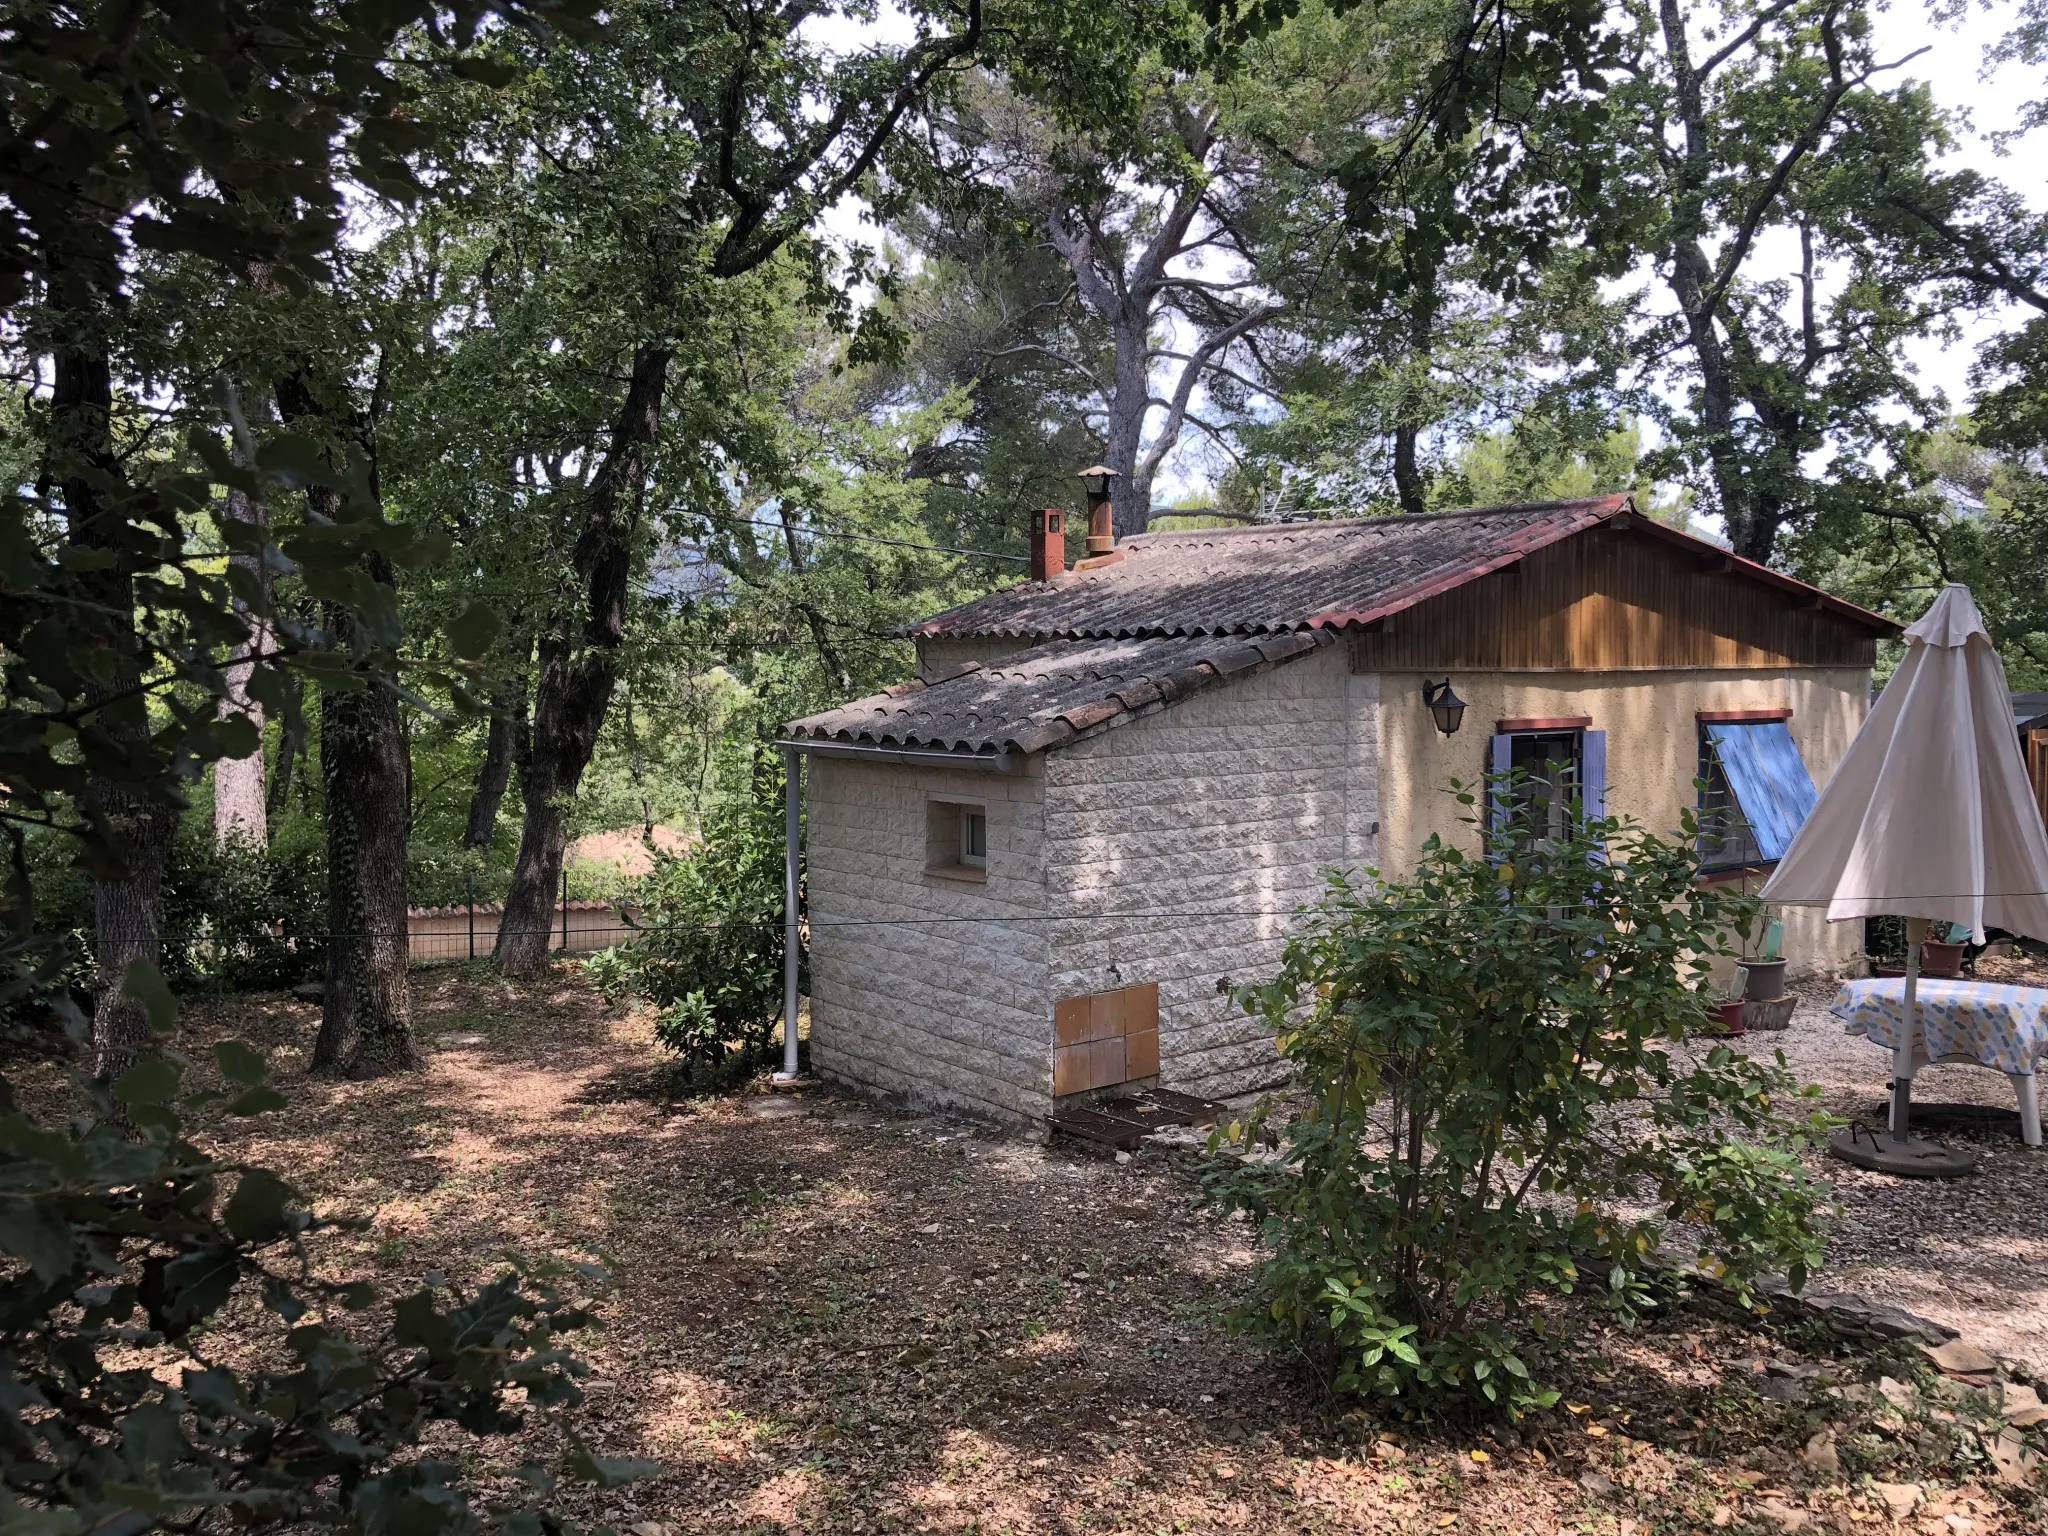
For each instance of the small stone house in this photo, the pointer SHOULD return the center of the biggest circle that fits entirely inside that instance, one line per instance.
(1035, 871)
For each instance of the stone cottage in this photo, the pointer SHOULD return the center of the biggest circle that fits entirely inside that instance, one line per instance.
(1035, 871)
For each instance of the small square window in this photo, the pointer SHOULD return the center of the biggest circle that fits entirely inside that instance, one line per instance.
(956, 840)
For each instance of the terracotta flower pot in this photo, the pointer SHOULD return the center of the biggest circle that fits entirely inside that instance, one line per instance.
(1941, 959)
(1729, 1016)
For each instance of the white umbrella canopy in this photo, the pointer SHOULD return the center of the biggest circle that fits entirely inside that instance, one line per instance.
(1929, 816)
(1930, 813)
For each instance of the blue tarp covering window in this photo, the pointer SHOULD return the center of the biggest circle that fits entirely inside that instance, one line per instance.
(1769, 779)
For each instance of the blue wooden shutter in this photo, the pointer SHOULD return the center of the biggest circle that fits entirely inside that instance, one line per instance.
(1593, 772)
(1500, 755)
(1593, 777)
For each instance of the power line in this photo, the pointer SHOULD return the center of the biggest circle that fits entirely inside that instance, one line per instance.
(867, 538)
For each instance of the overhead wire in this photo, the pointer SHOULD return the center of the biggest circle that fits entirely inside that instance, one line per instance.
(864, 538)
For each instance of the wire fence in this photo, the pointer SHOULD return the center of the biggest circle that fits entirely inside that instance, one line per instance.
(471, 932)
(466, 933)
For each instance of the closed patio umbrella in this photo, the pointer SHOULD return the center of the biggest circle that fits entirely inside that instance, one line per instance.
(1929, 816)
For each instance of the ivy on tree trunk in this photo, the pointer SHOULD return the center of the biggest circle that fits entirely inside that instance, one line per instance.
(365, 769)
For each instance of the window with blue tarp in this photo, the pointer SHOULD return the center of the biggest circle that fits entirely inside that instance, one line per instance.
(1756, 793)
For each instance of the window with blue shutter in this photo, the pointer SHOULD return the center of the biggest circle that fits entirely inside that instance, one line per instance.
(1755, 792)
(1557, 768)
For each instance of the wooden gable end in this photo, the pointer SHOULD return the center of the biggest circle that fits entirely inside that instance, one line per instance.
(1615, 599)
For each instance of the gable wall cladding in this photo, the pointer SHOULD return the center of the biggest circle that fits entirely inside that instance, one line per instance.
(1178, 847)
(924, 988)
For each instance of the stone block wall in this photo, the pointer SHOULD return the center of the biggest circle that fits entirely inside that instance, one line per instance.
(928, 987)
(1178, 848)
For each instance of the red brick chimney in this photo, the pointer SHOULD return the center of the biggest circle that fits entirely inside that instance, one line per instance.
(1048, 544)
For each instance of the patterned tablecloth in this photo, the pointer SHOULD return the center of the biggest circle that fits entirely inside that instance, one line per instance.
(2005, 1028)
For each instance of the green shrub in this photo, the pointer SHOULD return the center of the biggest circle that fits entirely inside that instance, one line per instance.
(234, 919)
(1497, 1109)
(243, 918)
(709, 951)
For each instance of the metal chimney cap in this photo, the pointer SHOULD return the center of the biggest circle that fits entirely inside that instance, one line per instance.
(1094, 470)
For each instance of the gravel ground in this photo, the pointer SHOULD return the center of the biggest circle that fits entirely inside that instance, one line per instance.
(1971, 1253)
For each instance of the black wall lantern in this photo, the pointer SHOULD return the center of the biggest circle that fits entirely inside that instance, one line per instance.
(1448, 708)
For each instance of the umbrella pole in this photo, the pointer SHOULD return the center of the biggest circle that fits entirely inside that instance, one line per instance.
(1902, 1058)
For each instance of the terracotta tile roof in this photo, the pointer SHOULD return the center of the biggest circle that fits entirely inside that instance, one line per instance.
(1271, 578)
(1050, 694)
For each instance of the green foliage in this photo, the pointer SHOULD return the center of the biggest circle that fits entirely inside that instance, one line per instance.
(121, 1243)
(1501, 1105)
(235, 919)
(245, 918)
(1530, 465)
(709, 956)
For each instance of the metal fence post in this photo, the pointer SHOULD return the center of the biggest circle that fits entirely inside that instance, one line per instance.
(470, 892)
(565, 906)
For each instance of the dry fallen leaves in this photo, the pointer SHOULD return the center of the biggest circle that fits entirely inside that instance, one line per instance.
(798, 1341)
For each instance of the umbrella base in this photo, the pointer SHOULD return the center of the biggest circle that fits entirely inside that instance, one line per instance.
(1909, 1159)
(1956, 1119)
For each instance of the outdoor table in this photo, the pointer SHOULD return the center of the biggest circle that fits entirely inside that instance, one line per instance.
(2003, 1028)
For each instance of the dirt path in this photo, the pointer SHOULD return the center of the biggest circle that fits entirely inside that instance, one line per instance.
(831, 1318)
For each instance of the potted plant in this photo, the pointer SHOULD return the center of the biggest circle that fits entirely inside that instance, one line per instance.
(1728, 1018)
(1944, 956)
(1764, 972)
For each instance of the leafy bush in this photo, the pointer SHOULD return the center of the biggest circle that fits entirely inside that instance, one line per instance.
(124, 1241)
(244, 918)
(709, 951)
(1498, 1107)
(234, 919)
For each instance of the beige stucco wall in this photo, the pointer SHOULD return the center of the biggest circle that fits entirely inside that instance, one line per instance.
(927, 988)
(1179, 847)
(1652, 754)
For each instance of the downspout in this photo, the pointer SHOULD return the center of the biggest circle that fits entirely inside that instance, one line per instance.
(792, 837)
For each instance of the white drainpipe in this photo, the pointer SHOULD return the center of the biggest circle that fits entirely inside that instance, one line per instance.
(792, 834)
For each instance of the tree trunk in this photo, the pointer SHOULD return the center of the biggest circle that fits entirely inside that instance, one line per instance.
(366, 1012)
(501, 747)
(365, 1019)
(127, 929)
(239, 807)
(1415, 406)
(1691, 282)
(1124, 437)
(127, 910)
(1407, 475)
(577, 673)
(288, 745)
